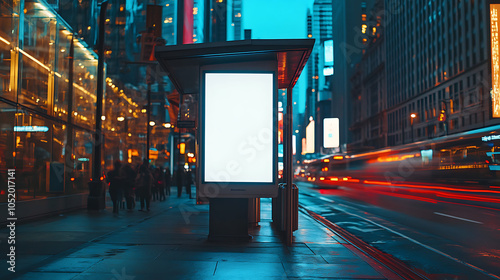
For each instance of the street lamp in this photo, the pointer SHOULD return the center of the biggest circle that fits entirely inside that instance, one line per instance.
(120, 119)
(412, 116)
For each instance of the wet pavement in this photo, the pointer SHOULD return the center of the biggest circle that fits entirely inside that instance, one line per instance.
(170, 242)
(440, 248)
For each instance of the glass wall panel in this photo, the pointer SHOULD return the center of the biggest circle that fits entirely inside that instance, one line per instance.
(33, 150)
(7, 119)
(82, 156)
(84, 87)
(62, 73)
(51, 157)
(8, 38)
(38, 54)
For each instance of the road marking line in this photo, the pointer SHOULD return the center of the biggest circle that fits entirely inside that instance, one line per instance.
(424, 245)
(325, 199)
(458, 218)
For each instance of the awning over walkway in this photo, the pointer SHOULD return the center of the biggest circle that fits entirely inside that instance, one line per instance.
(182, 62)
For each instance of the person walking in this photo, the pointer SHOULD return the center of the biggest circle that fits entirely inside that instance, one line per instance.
(115, 180)
(188, 181)
(168, 181)
(155, 186)
(179, 176)
(144, 182)
(161, 184)
(128, 186)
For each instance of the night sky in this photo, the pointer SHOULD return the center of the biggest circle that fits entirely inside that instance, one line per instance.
(279, 19)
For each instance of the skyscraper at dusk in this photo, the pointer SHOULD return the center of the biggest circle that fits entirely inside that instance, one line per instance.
(440, 71)
(320, 91)
(368, 126)
(348, 18)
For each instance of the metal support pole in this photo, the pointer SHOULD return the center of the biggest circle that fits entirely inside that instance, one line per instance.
(180, 22)
(207, 22)
(179, 166)
(288, 168)
(412, 138)
(99, 94)
(149, 120)
(69, 130)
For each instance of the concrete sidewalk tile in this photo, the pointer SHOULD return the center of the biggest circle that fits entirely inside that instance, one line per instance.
(303, 259)
(219, 256)
(160, 268)
(344, 260)
(76, 265)
(163, 244)
(126, 276)
(47, 276)
(231, 270)
(300, 251)
(119, 251)
(333, 251)
(250, 277)
(331, 270)
(48, 247)
(22, 263)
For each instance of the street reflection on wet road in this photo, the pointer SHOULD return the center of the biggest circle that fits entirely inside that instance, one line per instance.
(446, 232)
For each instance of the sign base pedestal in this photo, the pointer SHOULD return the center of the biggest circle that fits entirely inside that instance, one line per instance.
(228, 219)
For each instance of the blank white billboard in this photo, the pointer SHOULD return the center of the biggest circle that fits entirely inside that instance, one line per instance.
(310, 138)
(238, 128)
(331, 137)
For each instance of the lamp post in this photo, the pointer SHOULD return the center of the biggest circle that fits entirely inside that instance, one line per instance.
(97, 191)
(412, 116)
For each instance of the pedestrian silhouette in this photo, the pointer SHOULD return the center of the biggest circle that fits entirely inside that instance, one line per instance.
(144, 181)
(115, 179)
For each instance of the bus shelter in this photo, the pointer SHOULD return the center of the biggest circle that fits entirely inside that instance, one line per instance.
(237, 84)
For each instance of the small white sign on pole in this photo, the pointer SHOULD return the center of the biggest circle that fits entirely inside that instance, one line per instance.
(331, 129)
(310, 138)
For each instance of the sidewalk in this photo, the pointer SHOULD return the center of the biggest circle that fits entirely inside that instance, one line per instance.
(170, 242)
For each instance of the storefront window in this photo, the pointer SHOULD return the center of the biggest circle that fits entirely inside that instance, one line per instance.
(38, 56)
(7, 118)
(54, 73)
(8, 36)
(33, 147)
(82, 157)
(62, 73)
(84, 87)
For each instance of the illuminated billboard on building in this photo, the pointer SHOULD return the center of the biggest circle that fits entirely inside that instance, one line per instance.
(310, 138)
(331, 128)
(239, 133)
(495, 60)
(328, 67)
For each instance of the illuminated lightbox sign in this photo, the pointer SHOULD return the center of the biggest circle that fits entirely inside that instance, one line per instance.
(310, 138)
(31, 129)
(239, 139)
(331, 133)
(328, 68)
(495, 59)
(490, 138)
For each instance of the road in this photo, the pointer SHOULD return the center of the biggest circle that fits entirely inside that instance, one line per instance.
(438, 231)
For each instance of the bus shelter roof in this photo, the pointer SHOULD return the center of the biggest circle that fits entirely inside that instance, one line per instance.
(183, 62)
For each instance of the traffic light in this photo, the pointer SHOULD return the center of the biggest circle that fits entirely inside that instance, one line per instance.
(442, 116)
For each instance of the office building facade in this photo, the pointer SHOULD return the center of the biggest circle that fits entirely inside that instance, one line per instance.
(440, 71)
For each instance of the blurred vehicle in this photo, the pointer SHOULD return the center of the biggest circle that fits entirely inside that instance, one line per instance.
(471, 157)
